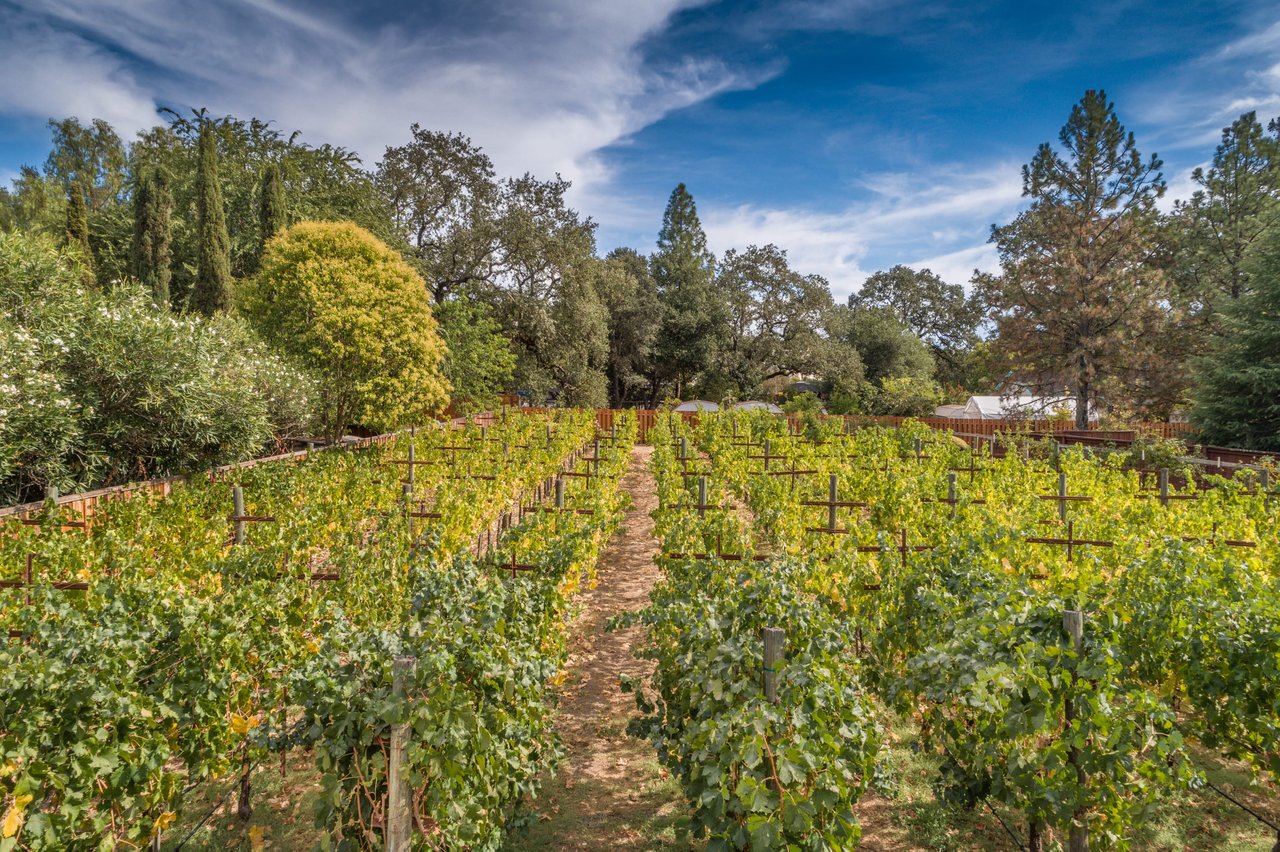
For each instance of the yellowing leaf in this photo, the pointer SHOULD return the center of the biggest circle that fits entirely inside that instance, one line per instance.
(12, 822)
(255, 837)
(239, 724)
(21, 802)
(165, 820)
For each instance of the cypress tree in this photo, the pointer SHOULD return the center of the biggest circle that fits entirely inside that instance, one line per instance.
(77, 233)
(211, 291)
(1237, 393)
(152, 235)
(273, 213)
(693, 319)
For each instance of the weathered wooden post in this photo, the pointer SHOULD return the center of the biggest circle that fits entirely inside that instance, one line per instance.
(832, 483)
(237, 506)
(774, 642)
(1078, 836)
(1164, 486)
(1062, 494)
(399, 796)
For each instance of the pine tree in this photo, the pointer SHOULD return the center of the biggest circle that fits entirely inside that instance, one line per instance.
(273, 214)
(77, 232)
(211, 291)
(152, 235)
(1078, 302)
(1237, 395)
(693, 318)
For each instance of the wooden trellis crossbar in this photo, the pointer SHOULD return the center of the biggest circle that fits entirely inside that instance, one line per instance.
(1062, 498)
(28, 581)
(1163, 494)
(1070, 541)
(702, 506)
(718, 554)
(832, 504)
(953, 497)
(902, 548)
(792, 472)
(1213, 539)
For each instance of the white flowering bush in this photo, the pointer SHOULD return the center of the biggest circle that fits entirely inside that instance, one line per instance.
(39, 422)
(100, 388)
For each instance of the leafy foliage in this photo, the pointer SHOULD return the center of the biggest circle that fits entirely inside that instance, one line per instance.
(348, 308)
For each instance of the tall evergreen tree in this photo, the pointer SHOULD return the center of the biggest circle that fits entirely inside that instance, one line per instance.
(152, 254)
(1237, 396)
(1237, 202)
(693, 319)
(77, 232)
(273, 212)
(211, 291)
(1078, 302)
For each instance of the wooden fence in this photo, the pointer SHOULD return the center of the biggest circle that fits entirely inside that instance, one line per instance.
(648, 418)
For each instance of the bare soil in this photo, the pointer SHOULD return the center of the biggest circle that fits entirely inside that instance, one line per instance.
(610, 792)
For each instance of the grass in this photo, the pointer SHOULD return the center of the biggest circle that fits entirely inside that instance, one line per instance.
(909, 816)
(282, 811)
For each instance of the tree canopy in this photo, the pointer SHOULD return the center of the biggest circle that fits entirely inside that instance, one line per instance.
(350, 309)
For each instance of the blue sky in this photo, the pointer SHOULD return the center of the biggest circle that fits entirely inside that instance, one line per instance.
(856, 134)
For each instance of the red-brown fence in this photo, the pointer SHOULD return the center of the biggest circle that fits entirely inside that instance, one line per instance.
(648, 418)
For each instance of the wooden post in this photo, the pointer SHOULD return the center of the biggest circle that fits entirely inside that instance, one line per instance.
(684, 448)
(702, 491)
(1078, 836)
(1266, 479)
(399, 796)
(1164, 486)
(1062, 492)
(832, 483)
(559, 493)
(243, 809)
(237, 503)
(774, 644)
(412, 464)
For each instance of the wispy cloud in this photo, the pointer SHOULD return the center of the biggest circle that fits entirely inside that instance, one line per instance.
(541, 87)
(938, 219)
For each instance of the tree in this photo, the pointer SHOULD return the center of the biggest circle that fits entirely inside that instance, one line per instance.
(273, 211)
(345, 305)
(445, 201)
(479, 362)
(211, 292)
(1078, 300)
(1237, 392)
(777, 320)
(693, 318)
(630, 296)
(152, 254)
(92, 158)
(77, 235)
(580, 345)
(938, 313)
(1236, 204)
(103, 386)
(321, 182)
(887, 348)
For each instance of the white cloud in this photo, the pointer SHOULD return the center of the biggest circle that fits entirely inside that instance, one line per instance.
(50, 73)
(541, 87)
(937, 219)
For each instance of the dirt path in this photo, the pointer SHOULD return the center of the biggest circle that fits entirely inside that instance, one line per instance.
(610, 793)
